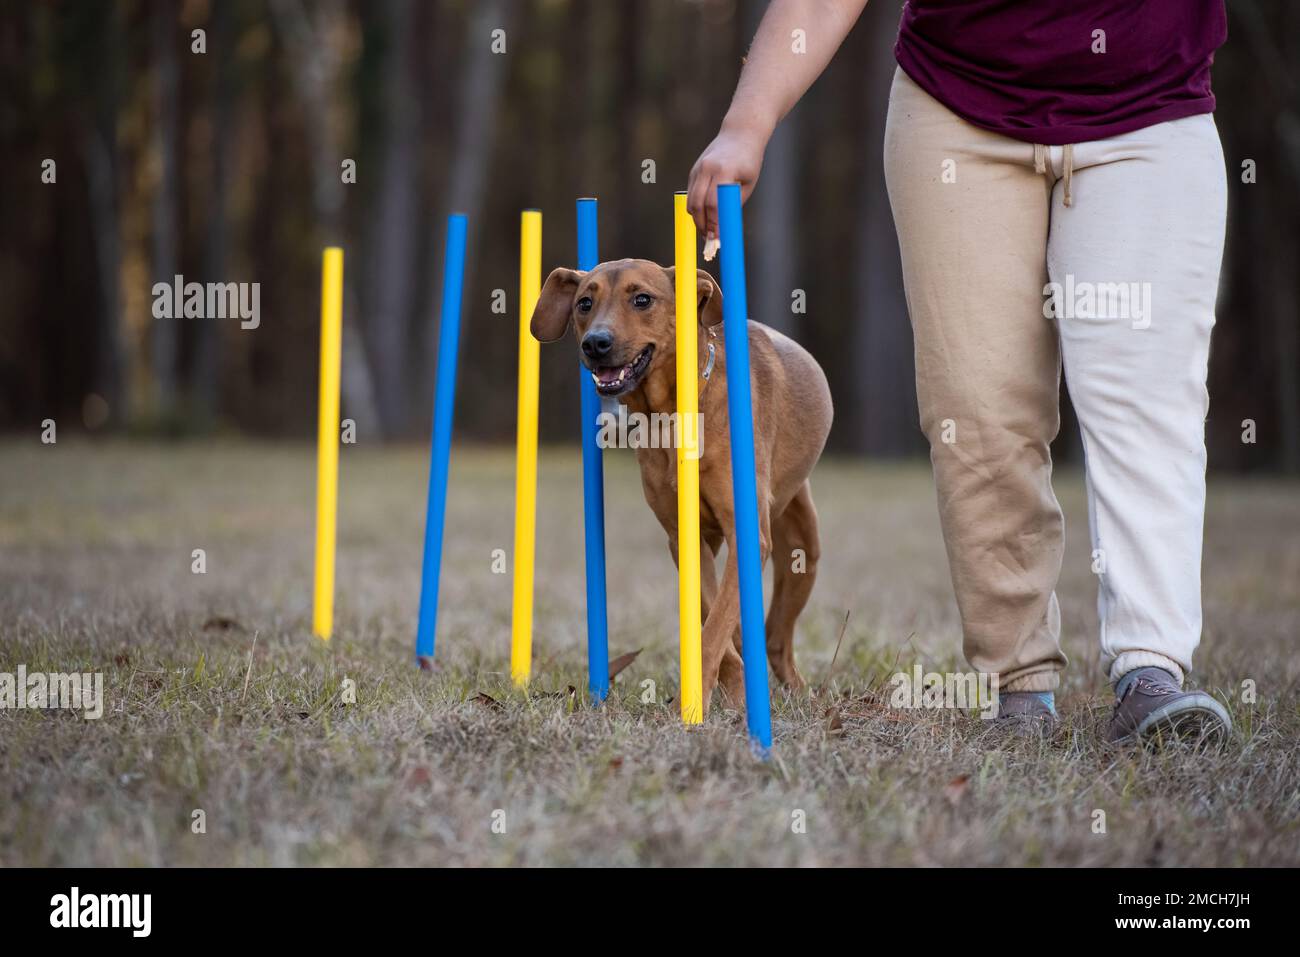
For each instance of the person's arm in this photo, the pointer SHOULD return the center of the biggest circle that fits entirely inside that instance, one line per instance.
(773, 79)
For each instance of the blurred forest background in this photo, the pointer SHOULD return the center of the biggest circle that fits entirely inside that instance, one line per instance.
(226, 166)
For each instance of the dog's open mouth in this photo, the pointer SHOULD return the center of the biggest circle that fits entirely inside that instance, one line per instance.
(615, 380)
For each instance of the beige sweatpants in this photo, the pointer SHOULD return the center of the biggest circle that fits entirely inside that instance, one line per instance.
(1015, 257)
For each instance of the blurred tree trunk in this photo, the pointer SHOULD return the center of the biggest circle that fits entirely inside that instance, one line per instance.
(585, 22)
(1288, 317)
(100, 150)
(776, 213)
(884, 387)
(1285, 316)
(391, 256)
(478, 105)
(164, 220)
(1275, 47)
(207, 341)
(626, 203)
(1286, 259)
(315, 70)
(778, 223)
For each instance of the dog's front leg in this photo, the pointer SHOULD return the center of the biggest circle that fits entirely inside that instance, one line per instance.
(721, 663)
(720, 639)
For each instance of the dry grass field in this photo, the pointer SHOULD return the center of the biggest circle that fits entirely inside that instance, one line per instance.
(219, 699)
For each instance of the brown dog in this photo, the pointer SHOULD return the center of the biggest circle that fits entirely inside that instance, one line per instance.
(624, 317)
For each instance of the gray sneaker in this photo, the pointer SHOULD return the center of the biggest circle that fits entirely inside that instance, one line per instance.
(1023, 712)
(1152, 707)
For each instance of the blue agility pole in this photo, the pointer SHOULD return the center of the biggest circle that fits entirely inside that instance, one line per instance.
(735, 323)
(593, 488)
(453, 278)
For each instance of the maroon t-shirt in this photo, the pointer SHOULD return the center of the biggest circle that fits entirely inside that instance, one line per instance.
(1035, 70)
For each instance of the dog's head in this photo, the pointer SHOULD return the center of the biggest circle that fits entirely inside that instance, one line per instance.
(624, 316)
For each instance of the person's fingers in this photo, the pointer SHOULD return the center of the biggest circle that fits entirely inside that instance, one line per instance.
(692, 203)
(711, 212)
(746, 185)
(702, 195)
(693, 193)
(697, 199)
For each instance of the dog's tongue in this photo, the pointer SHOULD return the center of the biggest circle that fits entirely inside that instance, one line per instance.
(610, 374)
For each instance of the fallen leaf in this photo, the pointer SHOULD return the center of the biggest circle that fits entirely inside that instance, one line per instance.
(956, 788)
(568, 692)
(419, 777)
(221, 623)
(833, 723)
(621, 662)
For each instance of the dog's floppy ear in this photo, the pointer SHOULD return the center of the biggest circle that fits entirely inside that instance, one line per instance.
(554, 305)
(708, 296)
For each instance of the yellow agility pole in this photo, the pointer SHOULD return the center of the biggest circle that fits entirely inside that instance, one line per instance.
(688, 465)
(327, 439)
(530, 287)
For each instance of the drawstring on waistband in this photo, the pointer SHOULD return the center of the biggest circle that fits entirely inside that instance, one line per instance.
(1067, 162)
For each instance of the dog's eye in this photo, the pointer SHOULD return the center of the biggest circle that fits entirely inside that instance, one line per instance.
(641, 300)
(584, 304)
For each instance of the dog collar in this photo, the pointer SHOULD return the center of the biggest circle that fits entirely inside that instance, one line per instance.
(713, 354)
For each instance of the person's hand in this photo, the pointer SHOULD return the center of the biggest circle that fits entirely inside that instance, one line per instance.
(734, 156)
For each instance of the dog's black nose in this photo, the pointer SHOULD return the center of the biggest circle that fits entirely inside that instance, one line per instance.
(596, 344)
